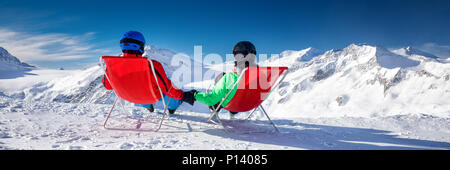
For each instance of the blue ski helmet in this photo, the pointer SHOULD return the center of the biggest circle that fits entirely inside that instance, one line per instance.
(132, 42)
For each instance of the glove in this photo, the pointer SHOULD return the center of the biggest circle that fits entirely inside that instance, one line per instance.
(188, 97)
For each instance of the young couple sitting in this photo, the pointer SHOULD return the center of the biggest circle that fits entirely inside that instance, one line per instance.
(132, 44)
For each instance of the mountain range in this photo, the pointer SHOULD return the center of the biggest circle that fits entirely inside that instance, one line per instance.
(359, 80)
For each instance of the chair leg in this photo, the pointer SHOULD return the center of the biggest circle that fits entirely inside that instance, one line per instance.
(163, 115)
(273, 124)
(251, 114)
(110, 111)
(219, 122)
(214, 113)
(166, 108)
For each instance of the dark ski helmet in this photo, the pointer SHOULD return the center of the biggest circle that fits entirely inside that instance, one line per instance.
(241, 53)
(244, 48)
(132, 42)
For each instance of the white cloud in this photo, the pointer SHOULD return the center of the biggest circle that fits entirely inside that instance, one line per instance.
(442, 51)
(48, 47)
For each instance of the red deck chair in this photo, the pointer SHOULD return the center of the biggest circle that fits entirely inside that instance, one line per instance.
(255, 84)
(132, 80)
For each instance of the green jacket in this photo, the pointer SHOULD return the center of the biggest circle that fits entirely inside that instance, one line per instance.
(219, 91)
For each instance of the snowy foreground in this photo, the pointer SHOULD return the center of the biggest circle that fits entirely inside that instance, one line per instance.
(361, 97)
(80, 126)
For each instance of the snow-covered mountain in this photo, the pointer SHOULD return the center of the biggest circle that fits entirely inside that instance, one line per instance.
(80, 87)
(164, 56)
(362, 80)
(10, 63)
(289, 57)
(360, 97)
(285, 58)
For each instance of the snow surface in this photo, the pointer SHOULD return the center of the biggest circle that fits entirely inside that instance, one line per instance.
(360, 97)
(415, 53)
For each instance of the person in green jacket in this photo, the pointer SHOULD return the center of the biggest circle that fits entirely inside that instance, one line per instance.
(245, 56)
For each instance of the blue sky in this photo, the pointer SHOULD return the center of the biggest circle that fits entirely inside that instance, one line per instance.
(78, 32)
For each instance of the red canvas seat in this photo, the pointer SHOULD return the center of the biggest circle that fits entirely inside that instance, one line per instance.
(254, 86)
(131, 80)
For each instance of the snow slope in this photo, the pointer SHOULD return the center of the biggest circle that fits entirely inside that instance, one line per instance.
(360, 97)
(415, 53)
(83, 86)
(289, 57)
